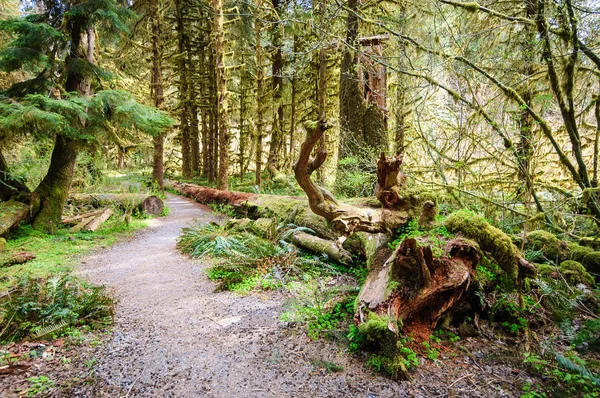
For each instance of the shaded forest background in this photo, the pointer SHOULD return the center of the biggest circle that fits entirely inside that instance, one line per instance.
(495, 106)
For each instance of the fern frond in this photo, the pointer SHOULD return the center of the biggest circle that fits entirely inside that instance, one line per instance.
(572, 367)
(49, 330)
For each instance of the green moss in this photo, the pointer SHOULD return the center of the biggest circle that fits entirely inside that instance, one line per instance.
(376, 332)
(578, 252)
(546, 271)
(575, 273)
(390, 356)
(591, 262)
(489, 238)
(543, 245)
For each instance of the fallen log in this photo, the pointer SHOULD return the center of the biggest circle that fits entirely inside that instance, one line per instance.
(97, 221)
(81, 224)
(149, 204)
(318, 245)
(12, 213)
(77, 219)
(17, 258)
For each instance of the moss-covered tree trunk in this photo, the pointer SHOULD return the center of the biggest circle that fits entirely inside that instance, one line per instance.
(184, 125)
(54, 188)
(157, 92)
(274, 159)
(220, 70)
(51, 194)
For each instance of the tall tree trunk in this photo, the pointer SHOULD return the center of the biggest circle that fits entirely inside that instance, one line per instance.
(54, 188)
(352, 107)
(194, 140)
(220, 70)
(158, 140)
(184, 128)
(259, 99)
(273, 162)
(205, 109)
(243, 135)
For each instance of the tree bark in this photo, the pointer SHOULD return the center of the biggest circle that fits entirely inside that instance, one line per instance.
(184, 128)
(259, 101)
(157, 91)
(274, 159)
(54, 188)
(224, 135)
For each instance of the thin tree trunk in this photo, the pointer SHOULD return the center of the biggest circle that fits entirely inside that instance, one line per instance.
(157, 93)
(259, 99)
(217, 6)
(273, 162)
(184, 128)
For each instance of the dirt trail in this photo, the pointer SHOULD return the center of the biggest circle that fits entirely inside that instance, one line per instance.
(176, 337)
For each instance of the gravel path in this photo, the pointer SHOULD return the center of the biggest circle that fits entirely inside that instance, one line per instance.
(175, 336)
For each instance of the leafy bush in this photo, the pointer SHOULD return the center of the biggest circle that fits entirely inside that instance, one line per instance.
(41, 307)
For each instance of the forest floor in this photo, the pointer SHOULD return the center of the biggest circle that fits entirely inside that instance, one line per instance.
(175, 336)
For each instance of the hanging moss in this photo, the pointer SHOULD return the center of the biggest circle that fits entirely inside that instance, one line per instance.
(489, 238)
(575, 273)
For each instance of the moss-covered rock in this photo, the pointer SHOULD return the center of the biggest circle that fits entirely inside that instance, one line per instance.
(545, 246)
(547, 271)
(489, 238)
(591, 262)
(578, 252)
(575, 273)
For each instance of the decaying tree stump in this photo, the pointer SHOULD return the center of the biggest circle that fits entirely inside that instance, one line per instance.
(413, 288)
(410, 286)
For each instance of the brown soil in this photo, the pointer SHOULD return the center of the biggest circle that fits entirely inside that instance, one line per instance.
(174, 336)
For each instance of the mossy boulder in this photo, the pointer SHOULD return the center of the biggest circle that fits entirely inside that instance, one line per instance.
(490, 239)
(575, 273)
(591, 262)
(545, 246)
(578, 252)
(547, 271)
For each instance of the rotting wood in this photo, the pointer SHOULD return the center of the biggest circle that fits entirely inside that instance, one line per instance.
(12, 213)
(96, 222)
(17, 258)
(78, 218)
(148, 203)
(81, 224)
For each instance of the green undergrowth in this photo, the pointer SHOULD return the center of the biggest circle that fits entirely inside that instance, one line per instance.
(244, 261)
(436, 237)
(44, 307)
(58, 253)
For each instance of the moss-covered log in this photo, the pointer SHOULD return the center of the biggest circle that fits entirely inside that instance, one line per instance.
(318, 245)
(149, 204)
(12, 213)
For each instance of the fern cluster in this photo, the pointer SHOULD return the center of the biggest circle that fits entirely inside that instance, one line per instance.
(39, 307)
